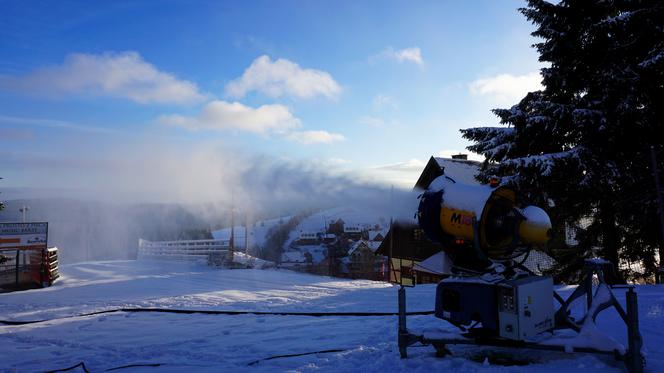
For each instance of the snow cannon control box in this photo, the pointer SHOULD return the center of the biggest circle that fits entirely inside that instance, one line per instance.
(511, 309)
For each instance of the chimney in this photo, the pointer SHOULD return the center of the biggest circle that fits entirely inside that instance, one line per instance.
(460, 156)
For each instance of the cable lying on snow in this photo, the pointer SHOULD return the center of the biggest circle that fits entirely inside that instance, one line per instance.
(156, 365)
(137, 365)
(300, 354)
(81, 364)
(221, 312)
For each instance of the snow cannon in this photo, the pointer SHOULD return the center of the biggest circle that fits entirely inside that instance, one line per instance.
(478, 223)
(492, 297)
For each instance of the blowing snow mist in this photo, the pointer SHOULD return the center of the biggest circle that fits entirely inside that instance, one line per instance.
(101, 207)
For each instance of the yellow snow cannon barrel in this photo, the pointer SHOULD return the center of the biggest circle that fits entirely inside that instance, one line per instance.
(480, 215)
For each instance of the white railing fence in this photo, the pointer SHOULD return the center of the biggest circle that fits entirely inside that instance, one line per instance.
(181, 250)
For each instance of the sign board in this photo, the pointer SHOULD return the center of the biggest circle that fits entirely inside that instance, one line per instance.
(407, 275)
(23, 236)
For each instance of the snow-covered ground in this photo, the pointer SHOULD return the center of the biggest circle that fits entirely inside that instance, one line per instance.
(198, 342)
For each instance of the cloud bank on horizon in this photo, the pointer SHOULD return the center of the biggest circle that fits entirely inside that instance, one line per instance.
(312, 84)
(128, 76)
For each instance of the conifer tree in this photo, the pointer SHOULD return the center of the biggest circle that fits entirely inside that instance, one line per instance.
(581, 145)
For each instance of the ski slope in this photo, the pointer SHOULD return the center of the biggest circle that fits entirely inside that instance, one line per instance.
(199, 342)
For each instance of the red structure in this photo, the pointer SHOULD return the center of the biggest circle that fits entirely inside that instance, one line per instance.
(28, 268)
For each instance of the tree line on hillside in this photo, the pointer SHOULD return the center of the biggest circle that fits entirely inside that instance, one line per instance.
(278, 235)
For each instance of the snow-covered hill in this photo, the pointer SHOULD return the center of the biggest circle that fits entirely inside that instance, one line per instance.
(352, 217)
(315, 224)
(198, 342)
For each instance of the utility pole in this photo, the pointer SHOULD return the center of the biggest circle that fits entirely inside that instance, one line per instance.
(390, 264)
(24, 210)
(232, 241)
(246, 233)
(2, 204)
(659, 277)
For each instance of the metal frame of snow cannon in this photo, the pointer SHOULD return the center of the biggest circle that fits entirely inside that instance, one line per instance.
(633, 358)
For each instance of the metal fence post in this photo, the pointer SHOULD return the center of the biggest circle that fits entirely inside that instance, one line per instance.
(635, 361)
(403, 330)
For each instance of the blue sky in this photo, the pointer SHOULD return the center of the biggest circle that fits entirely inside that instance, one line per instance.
(361, 86)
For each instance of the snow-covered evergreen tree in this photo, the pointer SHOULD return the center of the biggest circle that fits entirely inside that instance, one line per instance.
(582, 143)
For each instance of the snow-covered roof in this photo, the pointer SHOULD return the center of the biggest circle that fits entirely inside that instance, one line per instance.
(251, 261)
(371, 245)
(373, 234)
(357, 245)
(437, 264)
(460, 169)
(308, 235)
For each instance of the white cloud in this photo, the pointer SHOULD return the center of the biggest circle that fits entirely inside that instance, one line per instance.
(412, 54)
(371, 121)
(281, 78)
(53, 123)
(315, 137)
(381, 102)
(265, 120)
(506, 88)
(124, 75)
(222, 115)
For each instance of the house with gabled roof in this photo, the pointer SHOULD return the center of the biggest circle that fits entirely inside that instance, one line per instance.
(363, 262)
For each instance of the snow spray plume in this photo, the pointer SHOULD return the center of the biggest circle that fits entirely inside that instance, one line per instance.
(290, 187)
(156, 193)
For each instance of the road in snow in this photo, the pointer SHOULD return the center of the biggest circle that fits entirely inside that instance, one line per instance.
(220, 342)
